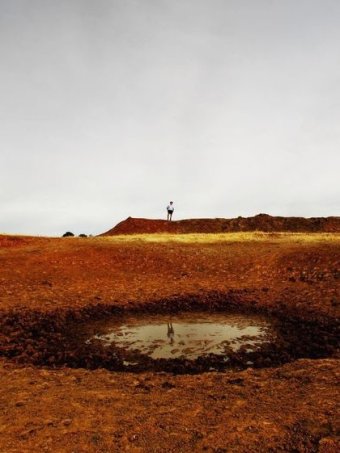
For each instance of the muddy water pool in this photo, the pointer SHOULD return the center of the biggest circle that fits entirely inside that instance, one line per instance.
(185, 335)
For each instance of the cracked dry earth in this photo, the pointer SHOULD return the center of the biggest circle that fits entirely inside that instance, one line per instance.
(290, 408)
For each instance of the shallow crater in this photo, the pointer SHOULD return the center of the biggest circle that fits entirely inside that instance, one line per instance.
(178, 336)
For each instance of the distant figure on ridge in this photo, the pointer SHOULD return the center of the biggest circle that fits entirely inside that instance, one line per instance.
(170, 208)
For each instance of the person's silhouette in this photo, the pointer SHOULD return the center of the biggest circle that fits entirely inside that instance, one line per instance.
(171, 332)
(170, 208)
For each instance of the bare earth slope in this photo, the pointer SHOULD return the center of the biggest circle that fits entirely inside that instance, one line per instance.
(288, 408)
(261, 222)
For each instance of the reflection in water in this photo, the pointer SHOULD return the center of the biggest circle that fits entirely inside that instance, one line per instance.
(171, 332)
(197, 334)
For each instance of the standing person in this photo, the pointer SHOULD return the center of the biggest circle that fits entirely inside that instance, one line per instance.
(170, 208)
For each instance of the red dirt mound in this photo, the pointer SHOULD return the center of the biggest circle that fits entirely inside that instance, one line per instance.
(260, 222)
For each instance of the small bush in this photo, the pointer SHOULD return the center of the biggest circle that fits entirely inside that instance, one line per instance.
(82, 235)
(68, 234)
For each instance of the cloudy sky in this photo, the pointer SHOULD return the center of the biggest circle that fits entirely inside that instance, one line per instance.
(110, 108)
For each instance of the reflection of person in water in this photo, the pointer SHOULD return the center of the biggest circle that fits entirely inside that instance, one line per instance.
(171, 333)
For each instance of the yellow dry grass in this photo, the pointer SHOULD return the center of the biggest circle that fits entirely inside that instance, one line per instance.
(224, 237)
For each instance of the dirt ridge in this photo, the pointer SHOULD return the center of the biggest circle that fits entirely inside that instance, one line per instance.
(260, 222)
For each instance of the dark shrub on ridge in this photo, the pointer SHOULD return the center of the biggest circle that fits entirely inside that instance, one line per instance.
(68, 234)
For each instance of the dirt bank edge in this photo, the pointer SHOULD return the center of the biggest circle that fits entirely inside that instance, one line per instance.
(260, 222)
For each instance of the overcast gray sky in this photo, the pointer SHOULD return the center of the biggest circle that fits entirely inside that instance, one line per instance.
(111, 108)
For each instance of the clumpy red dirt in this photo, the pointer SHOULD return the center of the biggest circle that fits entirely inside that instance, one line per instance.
(292, 408)
(260, 222)
(48, 403)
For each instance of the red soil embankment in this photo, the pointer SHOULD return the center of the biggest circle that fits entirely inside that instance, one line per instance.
(260, 222)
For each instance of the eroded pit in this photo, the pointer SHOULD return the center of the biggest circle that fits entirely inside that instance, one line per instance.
(176, 335)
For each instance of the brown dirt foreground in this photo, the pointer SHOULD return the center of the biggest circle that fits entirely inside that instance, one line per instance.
(291, 407)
